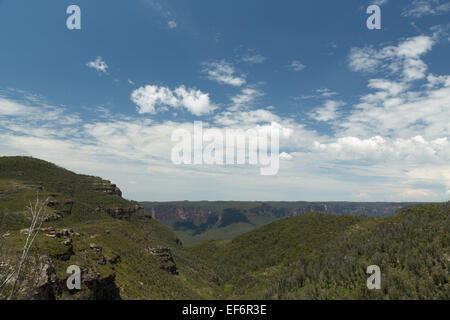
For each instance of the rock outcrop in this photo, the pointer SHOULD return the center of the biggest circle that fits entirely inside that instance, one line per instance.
(166, 258)
(107, 187)
(93, 285)
(121, 213)
(100, 288)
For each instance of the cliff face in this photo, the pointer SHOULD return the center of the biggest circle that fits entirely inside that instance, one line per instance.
(172, 212)
(202, 212)
(198, 221)
(121, 213)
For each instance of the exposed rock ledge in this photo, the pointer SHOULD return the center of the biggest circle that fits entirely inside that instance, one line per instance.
(107, 187)
(166, 258)
(121, 213)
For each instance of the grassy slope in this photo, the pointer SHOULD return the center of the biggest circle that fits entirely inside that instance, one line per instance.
(138, 275)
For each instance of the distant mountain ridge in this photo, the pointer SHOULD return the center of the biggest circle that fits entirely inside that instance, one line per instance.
(196, 221)
(325, 256)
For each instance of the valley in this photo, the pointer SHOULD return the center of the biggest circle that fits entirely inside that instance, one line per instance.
(215, 250)
(196, 221)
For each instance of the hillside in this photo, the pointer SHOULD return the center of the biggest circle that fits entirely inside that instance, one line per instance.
(122, 251)
(196, 221)
(325, 256)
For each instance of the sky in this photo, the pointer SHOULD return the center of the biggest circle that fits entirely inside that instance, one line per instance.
(364, 114)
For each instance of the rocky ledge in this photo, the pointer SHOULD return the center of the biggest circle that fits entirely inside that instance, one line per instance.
(166, 258)
(121, 213)
(107, 187)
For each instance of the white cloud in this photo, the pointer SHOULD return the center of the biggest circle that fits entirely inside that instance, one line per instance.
(12, 108)
(379, 149)
(138, 150)
(246, 118)
(172, 24)
(434, 81)
(245, 99)
(223, 72)
(394, 111)
(379, 2)
(195, 101)
(325, 92)
(390, 87)
(329, 111)
(254, 58)
(419, 8)
(393, 144)
(148, 97)
(98, 64)
(318, 94)
(404, 58)
(297, 65)
(286, 156)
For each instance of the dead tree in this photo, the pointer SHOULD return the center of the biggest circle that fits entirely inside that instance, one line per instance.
(36, 223)
(3, 273)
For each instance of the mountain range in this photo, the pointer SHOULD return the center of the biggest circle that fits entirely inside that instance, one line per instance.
(196, 221)
(236, 250)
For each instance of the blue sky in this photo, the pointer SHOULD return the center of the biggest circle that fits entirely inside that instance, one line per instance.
(365, 113)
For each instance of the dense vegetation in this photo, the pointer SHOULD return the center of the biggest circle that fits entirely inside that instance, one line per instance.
(324, 256)
(125, 253)
(107, 236)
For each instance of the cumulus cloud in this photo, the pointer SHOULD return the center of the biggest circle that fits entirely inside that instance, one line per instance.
(98, 64)
(223, 72)
(149, 97)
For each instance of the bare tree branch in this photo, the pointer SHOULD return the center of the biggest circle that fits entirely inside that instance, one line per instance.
(32, 234)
